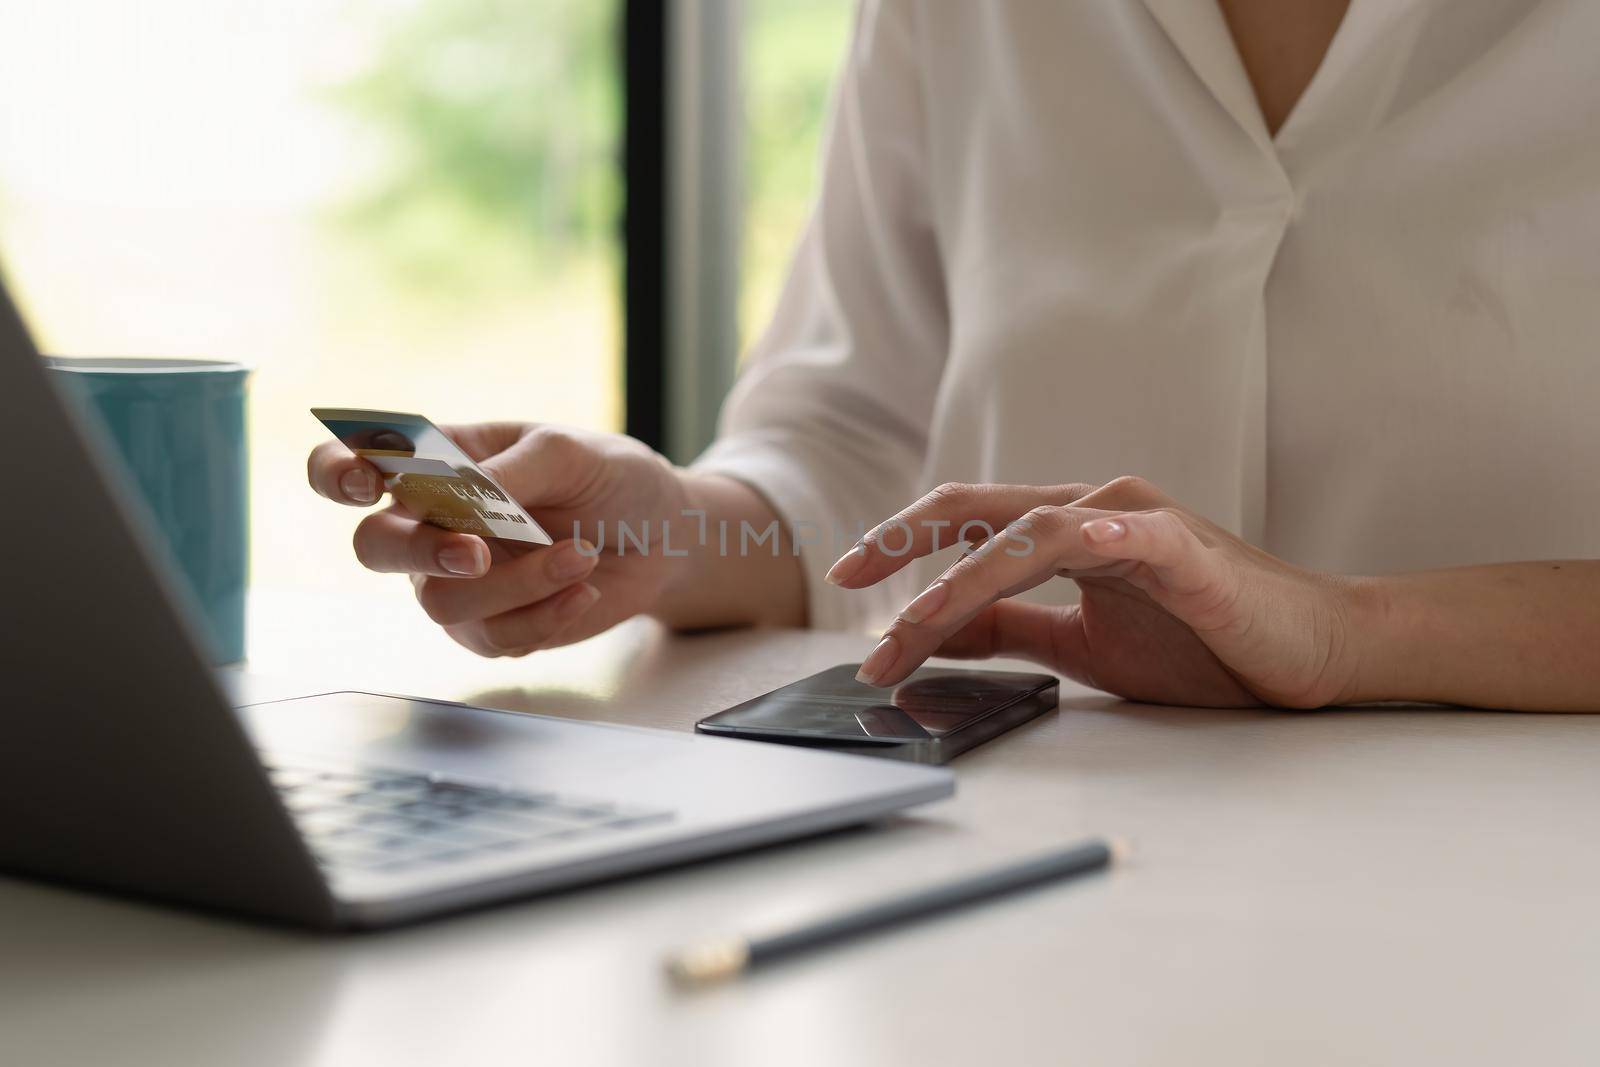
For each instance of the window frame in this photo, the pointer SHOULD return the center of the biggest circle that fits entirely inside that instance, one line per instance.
(682, 218)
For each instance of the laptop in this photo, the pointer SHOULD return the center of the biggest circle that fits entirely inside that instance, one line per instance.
(123, 766)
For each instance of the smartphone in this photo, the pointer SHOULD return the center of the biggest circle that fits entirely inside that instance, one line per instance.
(931, 717)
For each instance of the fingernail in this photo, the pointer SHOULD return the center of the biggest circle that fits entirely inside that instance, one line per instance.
(360, 486)
(926, 602)
(570, 562)
(461, 559)
(580, 602)
(849, 563)
(882, 658)
(1103, 530)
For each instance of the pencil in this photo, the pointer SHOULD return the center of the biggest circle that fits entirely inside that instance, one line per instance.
(717, 960)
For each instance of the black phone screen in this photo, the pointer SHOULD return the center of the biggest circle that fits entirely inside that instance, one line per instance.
(834, 706)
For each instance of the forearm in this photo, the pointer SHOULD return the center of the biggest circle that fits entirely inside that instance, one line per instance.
(743, 572)
(1519, 636)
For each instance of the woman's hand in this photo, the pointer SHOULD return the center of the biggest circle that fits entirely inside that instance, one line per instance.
(503, 598)
(1174, 609)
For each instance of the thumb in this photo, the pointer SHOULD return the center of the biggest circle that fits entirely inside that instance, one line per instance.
(1184, 576)
(546, 467)
(1052, 636)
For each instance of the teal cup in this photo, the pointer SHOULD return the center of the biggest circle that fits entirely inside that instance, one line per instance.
(177, 429)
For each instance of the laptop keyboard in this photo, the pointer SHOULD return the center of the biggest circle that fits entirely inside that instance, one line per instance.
(398, 820)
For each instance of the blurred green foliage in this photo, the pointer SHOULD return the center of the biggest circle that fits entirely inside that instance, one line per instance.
(502, 122)
(792, 51)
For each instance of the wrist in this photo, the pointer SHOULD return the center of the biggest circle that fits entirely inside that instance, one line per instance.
(685, 527)
(1376, 610)
(703, 507)
(718, 583)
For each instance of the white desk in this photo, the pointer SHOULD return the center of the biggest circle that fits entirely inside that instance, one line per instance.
(1398, 887)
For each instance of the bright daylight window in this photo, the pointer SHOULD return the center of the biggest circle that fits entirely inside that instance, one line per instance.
(406, 204)
(791, 56)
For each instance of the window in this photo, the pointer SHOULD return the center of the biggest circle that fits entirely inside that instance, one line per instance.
(408, 204)
(792, 53)
(411, 204)
(747, 88)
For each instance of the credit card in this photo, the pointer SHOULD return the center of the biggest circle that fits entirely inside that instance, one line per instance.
(434, 479)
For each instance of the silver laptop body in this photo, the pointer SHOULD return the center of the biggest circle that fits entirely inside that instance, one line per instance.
(123, 766)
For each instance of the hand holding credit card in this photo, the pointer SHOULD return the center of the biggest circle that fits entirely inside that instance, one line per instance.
(426, 471)
(481, 567)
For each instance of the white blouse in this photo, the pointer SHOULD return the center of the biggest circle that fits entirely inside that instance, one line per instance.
(1055, 243)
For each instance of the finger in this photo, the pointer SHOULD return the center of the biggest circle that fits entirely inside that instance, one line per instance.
(1030, 551)
(1052, 636)
(338, 474)
(516, 633)
(480, 440)
(392, 542)
(540, 466)
(1178, 570)
(1127, 493)
(508, 585)
(951, 514)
